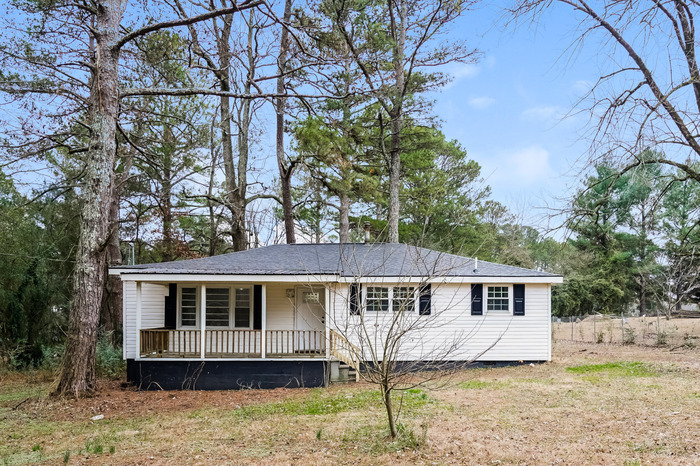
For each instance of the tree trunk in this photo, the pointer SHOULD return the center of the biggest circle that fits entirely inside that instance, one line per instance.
(235, 193)
(396, 115)
(386, 395)
(239, 232)
(112, 300)
(286, 170)
(77, 375)
(166, 208)
(344, 222)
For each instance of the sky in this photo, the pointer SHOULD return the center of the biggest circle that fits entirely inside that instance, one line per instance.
(509, 110)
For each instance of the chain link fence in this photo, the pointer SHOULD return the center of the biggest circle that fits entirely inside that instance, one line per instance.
(629, 330)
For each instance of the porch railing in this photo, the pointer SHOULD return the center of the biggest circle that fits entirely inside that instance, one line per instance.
(170, 343)
(235, 343)
(290, 343)
(345, 351)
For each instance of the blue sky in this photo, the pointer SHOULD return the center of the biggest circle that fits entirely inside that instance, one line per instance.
(509, 110)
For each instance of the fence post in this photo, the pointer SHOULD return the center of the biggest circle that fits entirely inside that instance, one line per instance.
(595, 334)
(572, 328)
(622, 326)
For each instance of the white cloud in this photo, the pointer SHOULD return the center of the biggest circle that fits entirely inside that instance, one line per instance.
(581, 86)
(464, 71)
(459, 72)
(543, 112)
(526, 168)
(481, 103)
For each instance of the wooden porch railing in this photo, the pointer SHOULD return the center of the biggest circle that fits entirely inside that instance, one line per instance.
(234, 343)
(345, 351)
(170, 343)
(289, 343)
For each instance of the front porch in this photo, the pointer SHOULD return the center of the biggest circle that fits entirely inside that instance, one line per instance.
(227, 320)
(174, 343)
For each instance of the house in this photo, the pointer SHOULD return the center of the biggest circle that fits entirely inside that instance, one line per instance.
(283, 315)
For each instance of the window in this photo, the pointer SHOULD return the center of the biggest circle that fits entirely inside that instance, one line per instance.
(188, 307)
(242, 310)
(497, 298)
(377, 299)
(227, 307)
(218, 307)
(404, 299)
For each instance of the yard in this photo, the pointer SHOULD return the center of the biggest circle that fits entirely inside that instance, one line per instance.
(595, 403)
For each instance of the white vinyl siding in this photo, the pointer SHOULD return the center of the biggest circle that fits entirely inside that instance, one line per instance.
(499, 335)
(152, 311)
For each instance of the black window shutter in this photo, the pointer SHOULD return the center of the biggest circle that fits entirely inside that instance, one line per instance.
(424, 297)
(477, 300)
(518, 300)
(355, 292)
(170, 317)
(257, 307)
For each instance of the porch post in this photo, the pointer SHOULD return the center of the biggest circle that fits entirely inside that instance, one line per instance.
(263, 321)
(203, 320)
(326, 320)
(138, 319)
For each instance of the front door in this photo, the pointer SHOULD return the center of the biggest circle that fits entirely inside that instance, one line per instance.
(310, 319)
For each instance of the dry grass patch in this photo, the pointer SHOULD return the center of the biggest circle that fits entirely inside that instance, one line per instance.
(599, 404)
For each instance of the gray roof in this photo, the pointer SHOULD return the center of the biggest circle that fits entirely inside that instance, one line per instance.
(345, 260)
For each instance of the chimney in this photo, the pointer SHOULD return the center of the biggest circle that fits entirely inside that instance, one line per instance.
(367, 226)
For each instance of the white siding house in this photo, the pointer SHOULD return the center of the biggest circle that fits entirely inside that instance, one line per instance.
(279, 315)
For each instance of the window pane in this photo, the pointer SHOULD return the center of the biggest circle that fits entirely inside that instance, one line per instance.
(377, 298)
(404, 299)
(497, 298)
(188, 307)
(242, 311)
(218, 307)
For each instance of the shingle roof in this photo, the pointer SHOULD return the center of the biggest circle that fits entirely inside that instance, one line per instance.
(345, 260)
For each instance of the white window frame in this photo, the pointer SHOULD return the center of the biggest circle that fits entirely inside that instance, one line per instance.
(232, 308)
(414, 298)
(390, 294)
(231, 311)
(198, 291)
(509, 287)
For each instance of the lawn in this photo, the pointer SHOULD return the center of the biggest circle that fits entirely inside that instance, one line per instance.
(603, 404)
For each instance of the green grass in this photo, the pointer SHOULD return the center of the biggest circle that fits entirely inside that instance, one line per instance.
(616, 369)
(481, 384)
(320, 402)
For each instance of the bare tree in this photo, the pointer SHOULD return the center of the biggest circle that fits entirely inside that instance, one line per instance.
(392, 332)
(649, 95)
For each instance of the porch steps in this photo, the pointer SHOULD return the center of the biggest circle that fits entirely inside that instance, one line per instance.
(342, 373)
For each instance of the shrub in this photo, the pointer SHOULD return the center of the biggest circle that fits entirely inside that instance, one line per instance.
(600, 337)
(109, 358)
(629, 336)
(662, 338)
(51, 357)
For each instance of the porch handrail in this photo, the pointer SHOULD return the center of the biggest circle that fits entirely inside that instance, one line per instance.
(295, 342)
(163, 341)
(342, 349)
